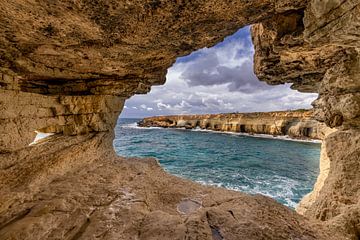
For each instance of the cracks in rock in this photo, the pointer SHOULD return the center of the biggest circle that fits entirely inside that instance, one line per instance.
(140, 225)
(215, 231)
(107, 204)
(7, 167)
(220, 203)
(17, 218)
(326, 24)
(232, 214)
(83, 227)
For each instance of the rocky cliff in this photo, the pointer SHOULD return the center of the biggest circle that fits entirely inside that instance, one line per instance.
(68, 66)
(295, 124)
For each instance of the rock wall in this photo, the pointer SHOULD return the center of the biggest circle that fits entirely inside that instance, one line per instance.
(296, 124)
(322, 55)
(23, 113)
(68, 66)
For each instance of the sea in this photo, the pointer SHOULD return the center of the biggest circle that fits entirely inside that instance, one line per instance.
(281, 168)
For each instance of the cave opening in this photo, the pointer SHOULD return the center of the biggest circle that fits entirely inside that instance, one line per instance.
(214, 80)
(39, 136)
(72, 79)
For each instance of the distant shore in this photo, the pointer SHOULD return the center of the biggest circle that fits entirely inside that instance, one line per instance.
(295, 124)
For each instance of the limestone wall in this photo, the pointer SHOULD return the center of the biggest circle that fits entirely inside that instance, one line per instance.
(296, 124)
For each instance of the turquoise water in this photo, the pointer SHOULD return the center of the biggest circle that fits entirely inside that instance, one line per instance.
(284, 170)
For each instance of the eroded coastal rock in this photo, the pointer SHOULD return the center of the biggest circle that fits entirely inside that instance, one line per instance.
(298, 124)
(68, 66)
(104, 196)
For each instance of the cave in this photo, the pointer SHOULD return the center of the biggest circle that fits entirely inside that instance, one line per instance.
(307, 131)
(68, 67)
(217, 126)
(242, 128)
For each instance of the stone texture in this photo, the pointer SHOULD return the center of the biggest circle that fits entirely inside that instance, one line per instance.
(23, 113)
(99, 46)
(337, 196)
(322, 56)
(102, 196)
(68, 66)
(333, 21)
(283, 56)
(296, 124)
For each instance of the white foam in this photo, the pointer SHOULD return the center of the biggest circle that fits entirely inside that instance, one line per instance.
(282, 189)
(197, 129)
(136, 126)
(130, 125)
(285, 137)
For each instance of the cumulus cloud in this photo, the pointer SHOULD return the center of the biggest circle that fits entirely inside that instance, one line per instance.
(214, 80)
(231, 63)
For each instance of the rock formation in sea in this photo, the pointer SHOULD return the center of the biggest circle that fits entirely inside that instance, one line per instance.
(299, 124)
(68, 66)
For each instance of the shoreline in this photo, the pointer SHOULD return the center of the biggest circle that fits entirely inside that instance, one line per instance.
(299, 125)
(255, 135)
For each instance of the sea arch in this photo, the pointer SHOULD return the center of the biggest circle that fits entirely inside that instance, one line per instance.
(67, 68)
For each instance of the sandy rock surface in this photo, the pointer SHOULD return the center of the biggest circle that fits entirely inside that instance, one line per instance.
(68, 66)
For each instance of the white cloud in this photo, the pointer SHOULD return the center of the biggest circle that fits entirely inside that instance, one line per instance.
(161, 105)
(215, 80)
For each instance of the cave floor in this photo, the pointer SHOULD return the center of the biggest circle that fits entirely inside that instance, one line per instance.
(77, 188)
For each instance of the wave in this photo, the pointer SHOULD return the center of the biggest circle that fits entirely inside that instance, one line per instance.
(283, 190)
(136, 126)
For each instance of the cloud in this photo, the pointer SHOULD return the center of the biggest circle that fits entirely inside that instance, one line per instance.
(162, 106)
(231, 63)
(214, 80)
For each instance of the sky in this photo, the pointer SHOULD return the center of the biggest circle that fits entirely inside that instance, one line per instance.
(219, 79)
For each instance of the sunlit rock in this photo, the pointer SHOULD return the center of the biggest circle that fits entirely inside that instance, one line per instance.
(67, 68)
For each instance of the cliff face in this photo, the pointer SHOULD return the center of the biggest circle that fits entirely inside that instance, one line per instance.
(68, 66)
(296, 124)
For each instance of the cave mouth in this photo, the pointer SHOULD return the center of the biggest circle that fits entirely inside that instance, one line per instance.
(281, 169)
(212, 80)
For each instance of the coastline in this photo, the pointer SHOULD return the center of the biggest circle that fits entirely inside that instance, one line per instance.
(253, 152)
(255, 135)
(300, 125)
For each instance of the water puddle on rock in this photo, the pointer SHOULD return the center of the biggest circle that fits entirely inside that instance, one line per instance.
(188, 206)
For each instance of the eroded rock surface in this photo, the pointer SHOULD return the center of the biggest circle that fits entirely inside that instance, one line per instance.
(296, 124)
(93, 194)
(68, 66)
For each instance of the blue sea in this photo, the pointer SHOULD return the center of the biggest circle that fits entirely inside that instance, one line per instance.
(282, 169)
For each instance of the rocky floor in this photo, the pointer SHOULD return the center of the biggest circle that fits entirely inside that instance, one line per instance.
(98, 195)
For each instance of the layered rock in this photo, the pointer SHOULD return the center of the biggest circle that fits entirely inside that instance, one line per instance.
(327, 47)
(296, 124)
(23, 113)
(90, 193)
(67, 67)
